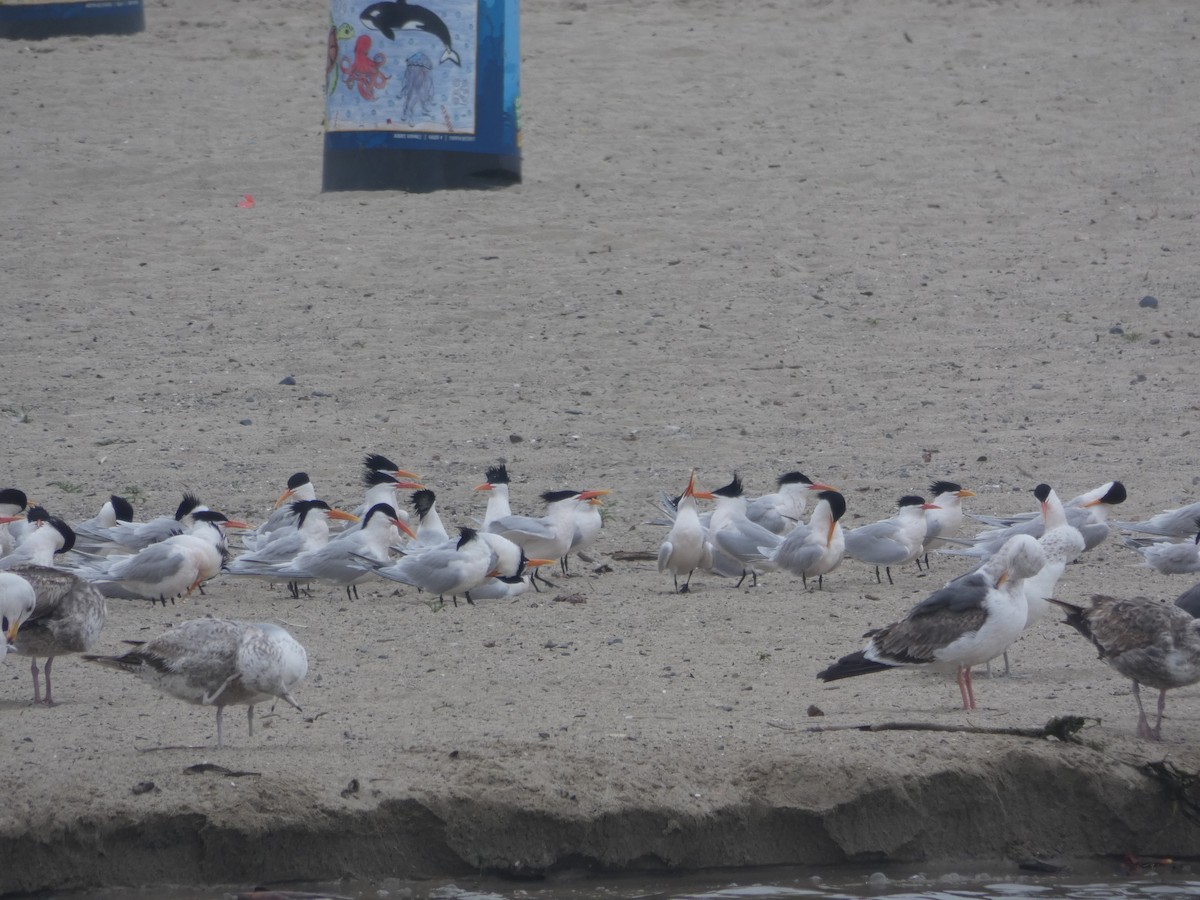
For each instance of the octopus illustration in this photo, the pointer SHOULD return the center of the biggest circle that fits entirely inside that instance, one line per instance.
(417, 88)
(364, 70)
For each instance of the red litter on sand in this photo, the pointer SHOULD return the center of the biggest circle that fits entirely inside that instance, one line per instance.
(247, 202)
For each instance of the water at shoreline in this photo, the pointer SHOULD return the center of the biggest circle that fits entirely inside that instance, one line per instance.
(1099, 883)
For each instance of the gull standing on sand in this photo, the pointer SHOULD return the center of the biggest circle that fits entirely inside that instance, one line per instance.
(219, 662)
(968, 622)
(892, 542)
(1148, 641)
(686, 547)
(17, 601)
(67, 617)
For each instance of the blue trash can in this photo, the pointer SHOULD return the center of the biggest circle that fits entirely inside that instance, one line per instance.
(422, 97)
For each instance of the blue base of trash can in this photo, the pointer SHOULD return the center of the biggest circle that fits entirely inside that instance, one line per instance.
(416, 171)
(37, 21)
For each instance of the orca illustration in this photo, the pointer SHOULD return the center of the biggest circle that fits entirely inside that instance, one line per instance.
(397, 15)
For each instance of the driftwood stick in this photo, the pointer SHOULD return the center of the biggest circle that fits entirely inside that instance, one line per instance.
(1064, 728)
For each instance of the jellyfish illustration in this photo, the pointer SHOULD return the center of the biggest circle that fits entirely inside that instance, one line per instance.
(417, 88)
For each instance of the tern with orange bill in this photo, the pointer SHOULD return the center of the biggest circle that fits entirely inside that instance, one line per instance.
(686, 547)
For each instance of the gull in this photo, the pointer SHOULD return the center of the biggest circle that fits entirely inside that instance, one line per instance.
(782, 510)
(968, 622)
(816, 548)
(686, 547)
(1150, 642)
(1189, 601)
(67, 618)
(17, 602)
(891, 542)
(218, 662)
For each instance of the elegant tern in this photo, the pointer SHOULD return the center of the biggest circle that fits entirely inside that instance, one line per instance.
(311, 530)
(130, 537)
(892, 542)
(1178, 524)
(968, 622)
(67, 618)
(497, 487)
(686, 547)
(943, 522)
(219, 662)
(343, 561)
(1167, 557)
(13, 504)
(169, 568)
(1088, 512)
(47, 536)
(783, 509)
(589, 521)
(17, 602)
(815, 548)
(548, 536)
(452, 568)
(1150, 642)
(430, 530)
(734, 538)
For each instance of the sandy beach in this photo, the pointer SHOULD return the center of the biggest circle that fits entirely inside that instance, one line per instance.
(883, 244)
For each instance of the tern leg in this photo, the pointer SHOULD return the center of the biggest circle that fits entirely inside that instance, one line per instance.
(250, 718)
(219, 708)
(887, 569)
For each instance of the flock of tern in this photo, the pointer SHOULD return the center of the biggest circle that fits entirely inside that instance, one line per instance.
(976, 617)
(56, 578)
